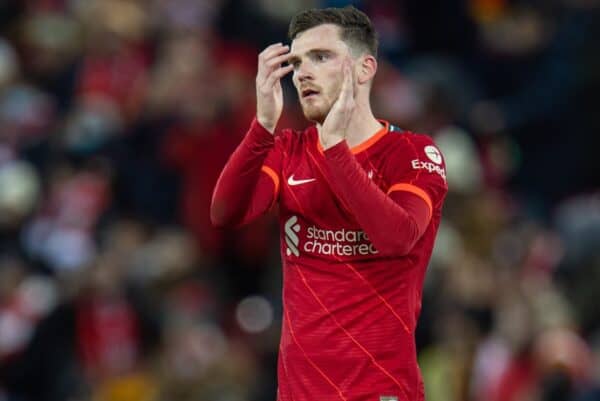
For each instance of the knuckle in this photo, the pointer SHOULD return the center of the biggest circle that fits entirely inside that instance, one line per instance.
(275, 62)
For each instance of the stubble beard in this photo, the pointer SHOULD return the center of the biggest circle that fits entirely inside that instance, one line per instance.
(317, 113)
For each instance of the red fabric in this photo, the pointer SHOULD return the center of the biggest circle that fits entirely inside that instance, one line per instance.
(391, 227)
(350, 310)
(242, 193)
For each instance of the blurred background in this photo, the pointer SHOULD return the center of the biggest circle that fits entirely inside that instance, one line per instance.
(116, 117)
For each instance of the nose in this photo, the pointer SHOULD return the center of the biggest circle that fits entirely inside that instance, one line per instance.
(304, 73)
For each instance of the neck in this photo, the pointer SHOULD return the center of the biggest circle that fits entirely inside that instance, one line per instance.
(362, 125)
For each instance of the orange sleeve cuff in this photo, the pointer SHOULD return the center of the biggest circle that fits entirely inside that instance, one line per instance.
(271, 173)
(414, 190)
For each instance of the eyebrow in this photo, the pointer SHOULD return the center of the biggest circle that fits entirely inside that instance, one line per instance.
(294, 59)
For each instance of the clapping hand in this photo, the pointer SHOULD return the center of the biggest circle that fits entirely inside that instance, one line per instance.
(336, 124)
(269, 95)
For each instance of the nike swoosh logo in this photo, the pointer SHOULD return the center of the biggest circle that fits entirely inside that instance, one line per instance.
(291, 181)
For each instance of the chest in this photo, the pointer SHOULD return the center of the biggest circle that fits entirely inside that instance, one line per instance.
(306, 191)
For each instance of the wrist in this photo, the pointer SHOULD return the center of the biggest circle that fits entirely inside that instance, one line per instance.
(266, 124)
(329, 141)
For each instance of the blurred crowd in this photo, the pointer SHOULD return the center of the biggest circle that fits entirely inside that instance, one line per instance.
(116, 117)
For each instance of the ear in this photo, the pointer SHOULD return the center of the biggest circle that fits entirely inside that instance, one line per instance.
(365, 69)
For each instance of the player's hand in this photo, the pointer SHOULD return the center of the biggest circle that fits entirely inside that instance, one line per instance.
(269, 96)
(336, 123)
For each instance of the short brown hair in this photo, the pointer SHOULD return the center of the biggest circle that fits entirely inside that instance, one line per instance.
(355, 27)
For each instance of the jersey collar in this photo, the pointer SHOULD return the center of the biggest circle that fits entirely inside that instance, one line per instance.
(361, 147)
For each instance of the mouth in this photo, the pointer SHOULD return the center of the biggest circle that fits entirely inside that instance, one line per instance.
(309, 93)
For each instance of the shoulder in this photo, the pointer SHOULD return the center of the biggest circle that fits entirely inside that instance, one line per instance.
(402, 139)
(415, 158)
(404, 144)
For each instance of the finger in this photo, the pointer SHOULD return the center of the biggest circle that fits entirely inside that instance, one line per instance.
(276, 52)
(279, 73)
(347, 90)
(278, 60)
(269, 49)
(354, 81)
(272, 51)
(271, 60)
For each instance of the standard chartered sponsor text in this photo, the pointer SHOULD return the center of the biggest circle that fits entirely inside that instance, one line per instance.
(338, 242)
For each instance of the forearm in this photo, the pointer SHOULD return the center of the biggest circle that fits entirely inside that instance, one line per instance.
(393, 228)
(240, 191)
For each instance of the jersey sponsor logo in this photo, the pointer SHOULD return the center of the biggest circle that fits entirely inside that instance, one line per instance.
(290, 229)
(291, 181)
(429, 166)
(434, 154)
(320, 241)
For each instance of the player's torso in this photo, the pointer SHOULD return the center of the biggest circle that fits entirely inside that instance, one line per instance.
(315, 223)
(349, 313)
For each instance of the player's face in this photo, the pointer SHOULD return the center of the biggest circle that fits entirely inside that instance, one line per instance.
(317, 55)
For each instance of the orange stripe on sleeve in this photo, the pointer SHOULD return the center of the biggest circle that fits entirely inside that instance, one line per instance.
(269, 171)
(415, 190)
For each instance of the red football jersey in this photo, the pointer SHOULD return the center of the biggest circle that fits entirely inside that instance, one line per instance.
(350, 309)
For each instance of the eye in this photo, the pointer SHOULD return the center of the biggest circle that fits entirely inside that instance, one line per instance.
(322, 57)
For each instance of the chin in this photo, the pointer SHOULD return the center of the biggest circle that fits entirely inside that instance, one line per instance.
(314, 114)
(315, 118)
